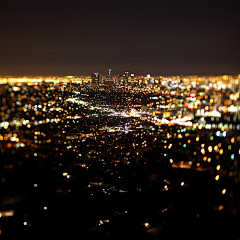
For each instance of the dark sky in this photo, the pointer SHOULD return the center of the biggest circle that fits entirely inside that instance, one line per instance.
(169, 37)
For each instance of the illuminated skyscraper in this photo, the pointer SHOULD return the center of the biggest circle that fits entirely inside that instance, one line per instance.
(109, 79)
(110, 73)
(118, 80)
(132, 78)
(148, 78)
(125, 78)
(95, 78)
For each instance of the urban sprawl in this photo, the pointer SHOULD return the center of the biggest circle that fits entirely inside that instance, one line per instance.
(134, 157)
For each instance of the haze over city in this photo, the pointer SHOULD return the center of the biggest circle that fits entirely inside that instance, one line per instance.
(50, 38)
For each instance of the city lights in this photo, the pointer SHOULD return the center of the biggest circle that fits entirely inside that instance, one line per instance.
(92, 141)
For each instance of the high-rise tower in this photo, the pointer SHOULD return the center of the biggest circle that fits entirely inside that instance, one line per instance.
(132, 78)
(109, 79)
(125, 78)
(95, 78)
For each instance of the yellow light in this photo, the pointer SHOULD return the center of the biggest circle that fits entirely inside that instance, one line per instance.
(198, 164)
(203, 151)
(220, 207)
(197, 139)
(223, 191)
(218, 167)
(217, 177)
(221, 151)
(164, 210)
(210, 148)
(205, 158)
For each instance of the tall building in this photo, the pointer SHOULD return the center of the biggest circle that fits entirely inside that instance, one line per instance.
(132, 78)
(100, 79)
(109, 79)
(95, 78)
(118, 80)
(125, 78)
(148, 78)
(110, 73)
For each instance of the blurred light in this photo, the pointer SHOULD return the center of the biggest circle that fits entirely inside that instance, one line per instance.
(220, 207)
(203, 151)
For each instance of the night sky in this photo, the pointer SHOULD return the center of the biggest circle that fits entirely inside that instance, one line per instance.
(170, 37)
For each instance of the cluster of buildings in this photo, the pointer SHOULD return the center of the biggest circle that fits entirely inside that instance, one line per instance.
(124, 79)
(130, 79)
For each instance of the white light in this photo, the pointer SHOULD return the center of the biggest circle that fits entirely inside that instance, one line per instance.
(182, 183)
(35, 185)
(25, 223)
